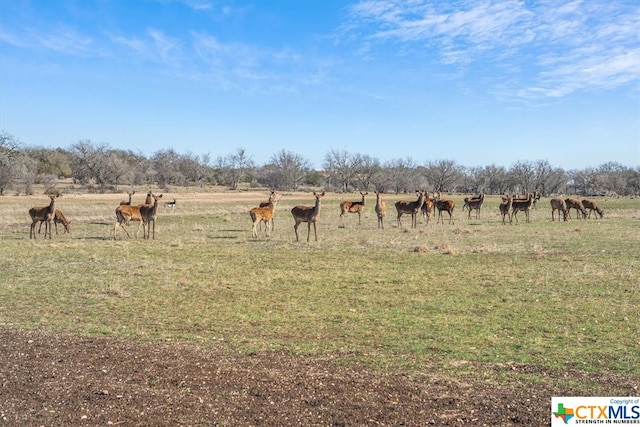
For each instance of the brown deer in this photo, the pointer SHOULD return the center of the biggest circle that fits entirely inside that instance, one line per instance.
(149, 213)
(560, 206)
(264, 214)
(59, 218)
(128, 203)
(522, 205)
(592, 205)
(126, 213)
(577, 205)
(308, 214)
(428, 208)
(411, 208)
(44, 214)
(352, 207)
(381, 209)
(444, 205)
(505, 208)
(474, 203)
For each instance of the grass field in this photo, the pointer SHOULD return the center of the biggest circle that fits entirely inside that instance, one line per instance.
(439, 297)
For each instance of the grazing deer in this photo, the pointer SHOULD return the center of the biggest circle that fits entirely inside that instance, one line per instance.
(59, 218)
(381, 209)
(44, 214)
(352, 207)
(474, 203)
(445, 205)
(308, 214)
(264, 214)
(128, 203)
(411, 208)
(522, 205)
(577, 205)
(428, 208)
(149, 213)
(505, 208)
(560, 206)
(591, 205)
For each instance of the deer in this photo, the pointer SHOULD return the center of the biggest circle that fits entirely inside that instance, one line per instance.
(264, 214)
(264, 205)
(128, 203)
(535, 195)
(474, 203)
(428, 208)
(445, 205)
(411, 208)
(126, 213)
(505, 208)
(381, 209)
(591, 205)
(577, 205)
(352, 207)
(171, 204)
(308, 214)
(59, 218)
(44, 214)
(522, 205)
(559, 205)
(149, 213)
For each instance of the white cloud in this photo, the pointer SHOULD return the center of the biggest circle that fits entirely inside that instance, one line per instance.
(557, 47)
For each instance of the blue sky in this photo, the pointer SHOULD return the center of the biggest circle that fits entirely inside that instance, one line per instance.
(478, 82)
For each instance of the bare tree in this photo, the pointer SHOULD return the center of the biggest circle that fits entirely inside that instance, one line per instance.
(90, 162)
(342, 168)
(368, 170)
(234, 167)
(443, 175)
(9, 153)
(286, 171)
(523, 175)
(401, 175)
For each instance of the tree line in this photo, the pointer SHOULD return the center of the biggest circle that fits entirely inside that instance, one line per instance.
(99, 166)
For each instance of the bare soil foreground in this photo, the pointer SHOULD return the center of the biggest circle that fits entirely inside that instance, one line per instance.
(63, 380)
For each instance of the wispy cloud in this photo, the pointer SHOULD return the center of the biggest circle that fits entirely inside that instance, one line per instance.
(154, 46)
(61, 40)
(571, 45)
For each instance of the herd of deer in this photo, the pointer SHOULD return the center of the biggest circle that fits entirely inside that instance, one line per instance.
(426, 204)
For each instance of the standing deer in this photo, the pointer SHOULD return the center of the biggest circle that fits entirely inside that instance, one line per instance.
(352, 207)
(124, 214)
(149, 213)
(445, 205)
(308, 214)
(45, 214)
(522, 205)
(577, 205)
(591, 205)
(560, 206)
(59, 218)
(264, 214)
(505, 208)
(411, 208)
(381, 209)
(428, 208)
(474, 203)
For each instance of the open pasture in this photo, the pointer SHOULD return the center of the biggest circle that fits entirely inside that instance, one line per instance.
(440, 298)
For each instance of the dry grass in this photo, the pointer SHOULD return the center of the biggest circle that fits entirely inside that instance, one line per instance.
(541, 293)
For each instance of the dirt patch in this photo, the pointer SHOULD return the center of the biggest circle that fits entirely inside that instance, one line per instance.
(53, 380)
